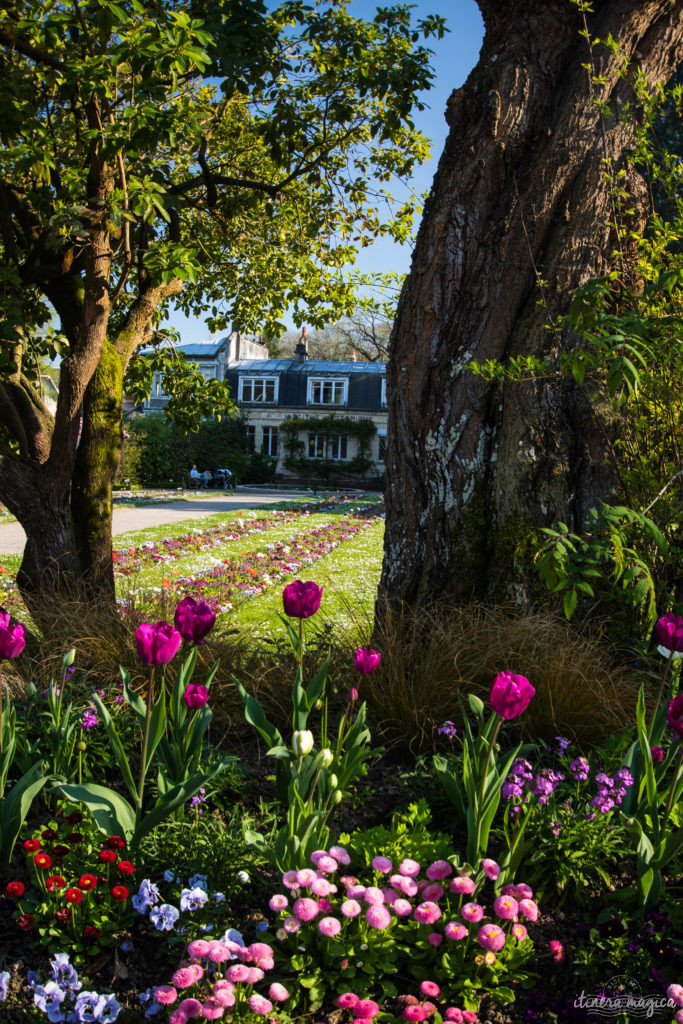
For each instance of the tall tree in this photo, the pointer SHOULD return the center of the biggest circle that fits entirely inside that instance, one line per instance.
(181, 152)
(534, 194)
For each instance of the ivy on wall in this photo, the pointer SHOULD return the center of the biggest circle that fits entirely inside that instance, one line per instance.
(363, 430)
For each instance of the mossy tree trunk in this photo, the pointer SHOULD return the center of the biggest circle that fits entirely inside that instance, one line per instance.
(97, 460)
(517, 218)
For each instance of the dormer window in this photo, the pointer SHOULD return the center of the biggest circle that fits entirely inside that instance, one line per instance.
(327, 391)
(261, 390)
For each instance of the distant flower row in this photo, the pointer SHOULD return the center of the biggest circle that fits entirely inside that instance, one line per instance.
(251, 573)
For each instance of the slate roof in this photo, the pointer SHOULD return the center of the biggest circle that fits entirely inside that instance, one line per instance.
(309, 366)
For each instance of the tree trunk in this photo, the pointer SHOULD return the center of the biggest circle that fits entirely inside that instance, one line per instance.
(517, 218)
(97, 459)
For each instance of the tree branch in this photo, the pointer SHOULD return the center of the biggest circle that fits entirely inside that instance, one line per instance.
(21, 46)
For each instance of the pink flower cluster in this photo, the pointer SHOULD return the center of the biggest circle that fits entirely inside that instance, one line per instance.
(363, 1011)
(248, 965)
(440, 903)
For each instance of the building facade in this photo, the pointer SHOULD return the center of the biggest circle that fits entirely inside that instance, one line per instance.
(311, 416)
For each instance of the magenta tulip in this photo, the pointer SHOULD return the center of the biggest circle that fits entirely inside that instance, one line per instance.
(675, 714)
(301, 599)
(366, 660)
(157, 644)
(196, 696)
(669, 634)
(658, 755)
(510, 695)
(12, 637)
(194, 619)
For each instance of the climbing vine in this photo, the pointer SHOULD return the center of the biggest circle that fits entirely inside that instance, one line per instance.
(363, 430)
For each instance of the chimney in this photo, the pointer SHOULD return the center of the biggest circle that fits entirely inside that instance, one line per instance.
(354, 357)
(301, 350)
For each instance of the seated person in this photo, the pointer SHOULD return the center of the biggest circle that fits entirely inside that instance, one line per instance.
(206, 478)
(194, 477)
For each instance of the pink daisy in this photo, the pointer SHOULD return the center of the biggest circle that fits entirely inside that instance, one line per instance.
(402, 907)
(429, 988)
(409, 867)
(506, 907)
(491, 869)
(427, 913)
(472, 912)
(455, 930)
(350, 908)
(347, 1001)
(463, 885)
(439, 870)
(165, 994)
(305, 909)
(490, 936)
(373, 895)
(378, 916)
(529, 909)
(329, 926)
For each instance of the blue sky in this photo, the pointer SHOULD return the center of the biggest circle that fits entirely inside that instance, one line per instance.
(453, 58)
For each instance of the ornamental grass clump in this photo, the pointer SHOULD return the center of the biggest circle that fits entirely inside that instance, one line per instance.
(340, 929)
(432, 660)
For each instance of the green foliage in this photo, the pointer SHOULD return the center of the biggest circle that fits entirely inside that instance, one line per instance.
(408, 835)
(213, 845)
(655, 842)
(310, 783)
(475, 789)
(166, 454)
(112, 812)
(599, 564)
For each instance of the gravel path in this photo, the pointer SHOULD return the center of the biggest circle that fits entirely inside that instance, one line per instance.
(13, 538)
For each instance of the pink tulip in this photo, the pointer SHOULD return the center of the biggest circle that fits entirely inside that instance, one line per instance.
(669, 632)
(366, 660)
(157, 644)
(510, 695)
(194, 619)
(196, 696)
(301, 599)
(674, 715)
(12, 637)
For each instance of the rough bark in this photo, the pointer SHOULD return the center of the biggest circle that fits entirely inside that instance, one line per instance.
(96, 463)
(519, 195)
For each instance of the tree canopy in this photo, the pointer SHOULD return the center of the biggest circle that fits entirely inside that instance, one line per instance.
(214, 156)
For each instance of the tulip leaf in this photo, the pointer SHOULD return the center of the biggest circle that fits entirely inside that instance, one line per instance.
(278, 751)
(112, 812)
(176, 797)
(15, 807)
(116, 745)
(134, 699)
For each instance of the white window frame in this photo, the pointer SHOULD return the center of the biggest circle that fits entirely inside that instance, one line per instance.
(267, 446)
(381, 438)
(318, 384)
(333, 446)
(264, 381)
(383, 394)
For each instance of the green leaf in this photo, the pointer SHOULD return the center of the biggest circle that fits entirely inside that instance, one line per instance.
(113, 814)
(117, 746)
(15, 807)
